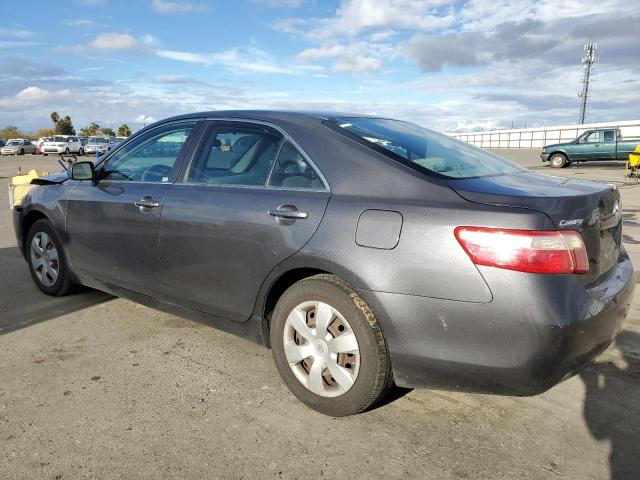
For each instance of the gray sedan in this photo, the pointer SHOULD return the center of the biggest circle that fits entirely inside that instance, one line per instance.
(363, 251)
(17, 147)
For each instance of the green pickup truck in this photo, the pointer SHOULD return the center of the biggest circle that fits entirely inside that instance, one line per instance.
(605, 144)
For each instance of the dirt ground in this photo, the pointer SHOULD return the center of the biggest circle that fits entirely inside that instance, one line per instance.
(97, 387)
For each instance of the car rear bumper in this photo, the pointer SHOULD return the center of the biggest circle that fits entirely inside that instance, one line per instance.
(538, 331)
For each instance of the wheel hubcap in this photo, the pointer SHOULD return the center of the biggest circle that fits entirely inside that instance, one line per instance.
(44, 259)
(321, 349)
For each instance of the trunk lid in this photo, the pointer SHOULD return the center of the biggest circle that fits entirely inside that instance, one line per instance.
(591, 208)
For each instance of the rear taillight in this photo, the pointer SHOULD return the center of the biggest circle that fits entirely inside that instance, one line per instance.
(533, 251)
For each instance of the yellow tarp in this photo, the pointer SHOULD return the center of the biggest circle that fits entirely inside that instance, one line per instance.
(20, 186)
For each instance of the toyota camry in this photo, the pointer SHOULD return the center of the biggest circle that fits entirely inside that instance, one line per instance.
(364, 251)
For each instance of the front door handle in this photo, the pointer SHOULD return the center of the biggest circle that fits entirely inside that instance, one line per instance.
(146, 203)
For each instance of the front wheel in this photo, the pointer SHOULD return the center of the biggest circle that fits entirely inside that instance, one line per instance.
(47, 260)
(558, 160)
(67, 151)
(81, 152)
(329, 348)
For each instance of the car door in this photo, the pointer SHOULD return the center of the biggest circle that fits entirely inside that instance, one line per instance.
(608, 145)
(112, 223)
(587, 146)
(249, 200)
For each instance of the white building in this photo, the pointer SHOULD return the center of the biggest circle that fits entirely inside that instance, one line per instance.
(538, 137)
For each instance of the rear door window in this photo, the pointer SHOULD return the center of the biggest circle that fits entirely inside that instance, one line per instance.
(609, 135)
(232, 154)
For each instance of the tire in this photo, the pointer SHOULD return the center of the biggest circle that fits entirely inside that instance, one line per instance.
(81, 152)
(67, 152)
(22, 151)
(364, 372)
(45, 154)
(558, 160)
(41, 240)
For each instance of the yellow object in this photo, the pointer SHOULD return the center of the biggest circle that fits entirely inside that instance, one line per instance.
(634, 157)
(20, 186)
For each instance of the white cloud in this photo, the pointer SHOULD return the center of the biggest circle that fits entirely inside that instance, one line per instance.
(32, 94)
(80, 22)
(166, 6)
(116, 41)
(357, 64)
(238, 60)
(354, 17)
(144, 119)
(354, 58)
(16, 32)
(189, 57)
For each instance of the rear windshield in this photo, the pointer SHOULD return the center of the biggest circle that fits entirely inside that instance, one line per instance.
(424, 149)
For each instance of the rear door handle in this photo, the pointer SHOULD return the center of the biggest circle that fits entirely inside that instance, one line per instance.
(292, 215)
(147, 202)
(287, 214)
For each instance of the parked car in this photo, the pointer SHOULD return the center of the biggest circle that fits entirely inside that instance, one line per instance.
(604, 144)
(39, 144)
(99, 144)
(120, 139)
(362, 250)
(83, 140)
(63, 144)
(17, 146)
(2, 143)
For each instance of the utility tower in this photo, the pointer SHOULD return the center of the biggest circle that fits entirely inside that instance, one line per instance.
(589, 58)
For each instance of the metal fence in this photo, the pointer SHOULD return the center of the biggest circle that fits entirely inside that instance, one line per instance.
(541, 136)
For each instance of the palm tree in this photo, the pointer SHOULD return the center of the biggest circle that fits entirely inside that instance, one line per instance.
(54, 117)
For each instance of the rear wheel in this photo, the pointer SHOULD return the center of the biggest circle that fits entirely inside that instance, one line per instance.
(328, 347)
(22, 151)
(66, 152)
(47, 260)
(558, 160)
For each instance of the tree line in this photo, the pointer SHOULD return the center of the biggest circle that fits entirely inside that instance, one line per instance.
(62, 125)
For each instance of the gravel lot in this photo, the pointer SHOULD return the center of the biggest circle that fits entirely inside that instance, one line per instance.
(97, 387)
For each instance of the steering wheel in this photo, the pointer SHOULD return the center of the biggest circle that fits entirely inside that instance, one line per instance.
(155, 173)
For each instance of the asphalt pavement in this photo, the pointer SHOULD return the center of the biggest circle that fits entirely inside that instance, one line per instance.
(93, 386)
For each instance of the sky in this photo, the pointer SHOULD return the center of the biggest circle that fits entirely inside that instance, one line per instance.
(451, 66)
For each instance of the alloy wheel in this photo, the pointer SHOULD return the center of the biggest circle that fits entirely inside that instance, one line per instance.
(321, 348)
(44, 259)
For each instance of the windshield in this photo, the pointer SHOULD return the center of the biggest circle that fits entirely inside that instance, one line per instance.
(13, 143)
(97, 140)
(59, 139)
(418, 147)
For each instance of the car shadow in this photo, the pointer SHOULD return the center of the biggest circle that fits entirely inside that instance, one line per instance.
(22, 304)
(612, 406)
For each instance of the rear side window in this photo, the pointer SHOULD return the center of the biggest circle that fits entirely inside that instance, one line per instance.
(291, 170)
(235, 155)
(609, 136)
(422, 149)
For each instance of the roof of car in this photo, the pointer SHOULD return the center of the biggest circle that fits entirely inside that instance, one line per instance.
(273, 115)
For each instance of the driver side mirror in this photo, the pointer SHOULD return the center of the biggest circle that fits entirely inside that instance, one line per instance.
(82, 171)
